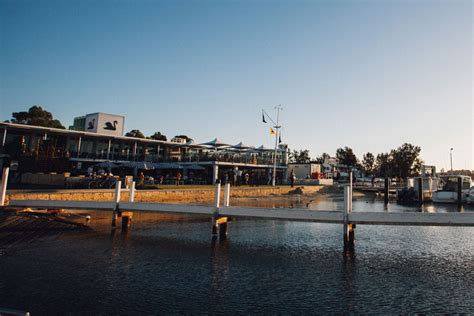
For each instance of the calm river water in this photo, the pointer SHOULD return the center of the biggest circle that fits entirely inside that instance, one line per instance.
(168, 264)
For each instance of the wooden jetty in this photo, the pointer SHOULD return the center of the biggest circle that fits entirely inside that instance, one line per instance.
(221, 214)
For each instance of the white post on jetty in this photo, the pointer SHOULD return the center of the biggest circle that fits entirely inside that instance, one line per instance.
(118, 186)
(131, 193)
(4, 185)
(217, 202)
(217, 196)
(127, 215)
(348, 227)
(226, 194)
(350, 191)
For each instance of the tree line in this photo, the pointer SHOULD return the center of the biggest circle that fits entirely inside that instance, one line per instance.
(38, 116)
(401, 162)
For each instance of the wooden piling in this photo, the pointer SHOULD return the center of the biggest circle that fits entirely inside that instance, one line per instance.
(215, 216)
(420, 190)
(222, 222)
(127, 220)
(386, 191)
(459, 191)
(349, 233)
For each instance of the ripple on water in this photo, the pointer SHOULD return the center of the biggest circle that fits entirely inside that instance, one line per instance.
(170, 265)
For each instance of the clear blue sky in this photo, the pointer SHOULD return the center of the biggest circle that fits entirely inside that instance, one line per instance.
(370, 75)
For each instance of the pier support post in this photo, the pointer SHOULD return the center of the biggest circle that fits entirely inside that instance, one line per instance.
(118, 186)
(217, 195)
(126, 220)
(459, 191)
(217, 201)
(127, 216)
(5, 172)
(349, 233)
(219, 224)
(226, 194)
(420, 190)
(386, 191)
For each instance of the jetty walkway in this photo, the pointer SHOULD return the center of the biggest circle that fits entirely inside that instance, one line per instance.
(221, 214)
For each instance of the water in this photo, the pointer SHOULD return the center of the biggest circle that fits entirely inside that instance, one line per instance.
(168, 264)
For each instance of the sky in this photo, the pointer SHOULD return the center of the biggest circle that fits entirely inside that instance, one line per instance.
(370, 75)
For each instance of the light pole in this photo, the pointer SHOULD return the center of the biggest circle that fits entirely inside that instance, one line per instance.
(451, 158)
(277, 128)
(277, 132)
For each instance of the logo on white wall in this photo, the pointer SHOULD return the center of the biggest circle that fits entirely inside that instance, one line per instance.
(111, 127)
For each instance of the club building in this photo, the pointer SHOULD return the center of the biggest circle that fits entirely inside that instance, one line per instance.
(98, 137)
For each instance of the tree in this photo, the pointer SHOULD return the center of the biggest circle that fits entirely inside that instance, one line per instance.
(36, 116)
(158, 136)
(368, 163)
(301, 156)
(185, 137)
(321, 159)
(346, 156)
(405, 160)
(135, 133)
(384, 164)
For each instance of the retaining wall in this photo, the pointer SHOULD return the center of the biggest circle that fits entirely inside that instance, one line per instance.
(164, 195)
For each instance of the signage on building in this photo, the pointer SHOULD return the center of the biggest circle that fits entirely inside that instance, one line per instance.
(102, 123)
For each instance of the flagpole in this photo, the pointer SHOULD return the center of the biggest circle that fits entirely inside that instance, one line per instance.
(277, 128)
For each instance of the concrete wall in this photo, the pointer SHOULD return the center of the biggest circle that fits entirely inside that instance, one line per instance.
(175, 196)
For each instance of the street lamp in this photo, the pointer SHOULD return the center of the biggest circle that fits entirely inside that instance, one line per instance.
(451, 158)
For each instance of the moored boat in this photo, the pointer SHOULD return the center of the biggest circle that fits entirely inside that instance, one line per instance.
(470, 196)
(448, 193)
(409, 194)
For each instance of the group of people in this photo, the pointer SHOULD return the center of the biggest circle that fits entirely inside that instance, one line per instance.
(251, 178)
(100, 172)
(142, 178)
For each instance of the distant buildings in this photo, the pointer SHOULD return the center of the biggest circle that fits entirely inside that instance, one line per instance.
(98, 137)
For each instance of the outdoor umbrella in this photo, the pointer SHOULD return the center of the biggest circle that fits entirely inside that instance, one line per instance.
(216, 143)
(105, 164)
(144, 165)
(167, 165)
(241, 146)
(195, 167)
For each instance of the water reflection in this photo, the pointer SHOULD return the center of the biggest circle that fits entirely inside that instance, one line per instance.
(219, 270)
(168, 264)
(333, 202)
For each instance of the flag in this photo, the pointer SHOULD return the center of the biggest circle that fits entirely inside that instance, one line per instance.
(263, 118)
(272, 132)
(279, 139)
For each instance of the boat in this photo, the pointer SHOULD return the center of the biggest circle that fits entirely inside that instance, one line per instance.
(409, 194)
(470, 196)
(448, 192)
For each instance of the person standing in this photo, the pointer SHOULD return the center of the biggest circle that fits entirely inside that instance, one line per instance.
(247, 177)
(178, 177)
(292, 178)
(239, 177)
